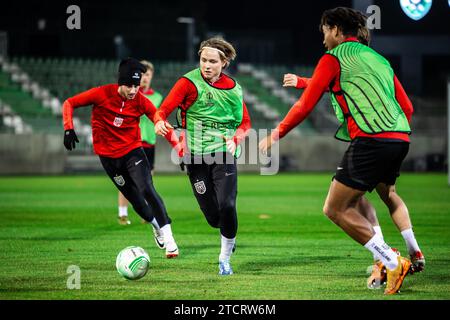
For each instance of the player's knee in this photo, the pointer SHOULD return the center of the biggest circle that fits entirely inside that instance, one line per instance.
(211, 215)
(149, 191)
(330, 212)
(326, 208)
(213, 221)
(143, 210)
(227, 205)
(138, 203)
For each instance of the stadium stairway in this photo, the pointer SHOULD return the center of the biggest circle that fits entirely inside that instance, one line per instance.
(263, 85)
(27, 106)
(22, 105)
(323, 118)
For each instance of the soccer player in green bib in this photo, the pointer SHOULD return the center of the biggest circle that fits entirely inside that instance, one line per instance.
(374, 112)
(378, 275)
(214, 117)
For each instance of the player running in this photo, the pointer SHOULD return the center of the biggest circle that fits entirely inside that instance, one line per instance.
(378, 274)
(374, 112)
(215, 120)
(148, 140)
(148, 144)
(116, 111)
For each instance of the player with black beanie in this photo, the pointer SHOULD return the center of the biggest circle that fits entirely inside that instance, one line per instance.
(116, 112)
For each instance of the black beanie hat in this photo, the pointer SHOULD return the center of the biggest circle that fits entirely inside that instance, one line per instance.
(130, 71)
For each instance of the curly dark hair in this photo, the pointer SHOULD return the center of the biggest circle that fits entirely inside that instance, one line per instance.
(349, 21)
(364, 35)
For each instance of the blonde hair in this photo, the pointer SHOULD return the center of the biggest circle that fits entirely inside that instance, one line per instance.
(148, 65)
(223, 47)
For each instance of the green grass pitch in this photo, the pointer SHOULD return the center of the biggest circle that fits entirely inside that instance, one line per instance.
(286, 247)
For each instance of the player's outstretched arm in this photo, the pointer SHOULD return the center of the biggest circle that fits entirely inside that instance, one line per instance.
(83, 99)
(163, 127)
(70, 137)
(327, 69)
(172, 138)
(291, 80)
(181, 91)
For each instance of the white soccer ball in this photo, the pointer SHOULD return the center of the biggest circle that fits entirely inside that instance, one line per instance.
(133, 263)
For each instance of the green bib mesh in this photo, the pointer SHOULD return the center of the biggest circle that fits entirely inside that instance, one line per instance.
(367, 84)
(215, 114)
(147, 127)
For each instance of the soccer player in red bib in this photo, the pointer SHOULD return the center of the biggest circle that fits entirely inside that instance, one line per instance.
(116, 112)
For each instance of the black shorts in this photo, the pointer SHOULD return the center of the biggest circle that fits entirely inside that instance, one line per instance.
(368, 162)
(131, 175)
(215, 188)
(150, 154)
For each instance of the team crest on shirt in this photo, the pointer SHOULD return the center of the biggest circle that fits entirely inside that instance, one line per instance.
(200, 187)
(120, 181)
(118, 121)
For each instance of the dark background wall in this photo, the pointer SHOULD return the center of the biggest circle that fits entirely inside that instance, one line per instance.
(282, 32)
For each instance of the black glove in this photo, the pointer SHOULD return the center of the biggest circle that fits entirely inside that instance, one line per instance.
(182, 165)
(70, 137)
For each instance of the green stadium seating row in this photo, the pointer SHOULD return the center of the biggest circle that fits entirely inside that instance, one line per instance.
(255, 87)
(29, 109)
(65, 77)
(278, 71)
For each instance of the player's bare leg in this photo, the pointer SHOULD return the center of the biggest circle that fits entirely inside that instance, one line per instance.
(378, 271)
(368, 211)
(341, 207)
(397, 208)
(400, 215)
(123, 210)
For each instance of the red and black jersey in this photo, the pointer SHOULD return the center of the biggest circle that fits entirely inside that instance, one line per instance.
(325, 77)
(115, 119)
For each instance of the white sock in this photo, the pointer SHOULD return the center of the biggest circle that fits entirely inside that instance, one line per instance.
(410, 240)
(226, 248)
(378, 232)
(382, 251)
(123, 211)
(167, 233)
